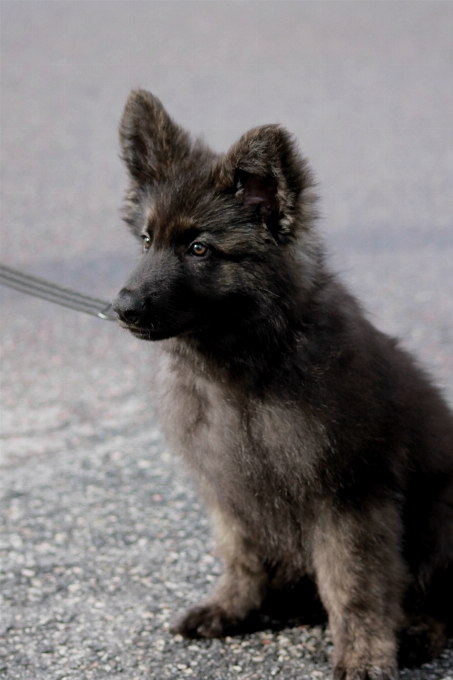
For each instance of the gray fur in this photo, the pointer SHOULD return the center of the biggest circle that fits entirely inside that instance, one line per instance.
(322, 450)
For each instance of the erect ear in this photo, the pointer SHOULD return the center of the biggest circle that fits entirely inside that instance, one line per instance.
(270, 176)
(151, 142)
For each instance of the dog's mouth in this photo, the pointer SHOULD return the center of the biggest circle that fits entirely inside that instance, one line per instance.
(152, 333)
(141, 333)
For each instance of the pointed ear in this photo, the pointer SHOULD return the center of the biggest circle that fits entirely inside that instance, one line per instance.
(270, 176)
(150, 141)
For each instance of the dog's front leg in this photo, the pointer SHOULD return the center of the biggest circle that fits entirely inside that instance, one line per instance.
(361, 578)
(240, 590)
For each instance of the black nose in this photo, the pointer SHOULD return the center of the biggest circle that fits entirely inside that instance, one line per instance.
(129, 307)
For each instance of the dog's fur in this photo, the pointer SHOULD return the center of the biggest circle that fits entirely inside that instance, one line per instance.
(323, 451)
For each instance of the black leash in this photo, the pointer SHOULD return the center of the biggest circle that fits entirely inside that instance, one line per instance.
(32, 285)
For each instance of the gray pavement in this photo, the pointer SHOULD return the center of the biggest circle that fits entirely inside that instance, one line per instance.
(103, 538)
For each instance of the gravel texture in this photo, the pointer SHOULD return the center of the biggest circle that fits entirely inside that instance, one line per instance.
(103, 540)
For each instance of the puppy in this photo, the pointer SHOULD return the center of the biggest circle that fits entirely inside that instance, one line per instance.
(322, 450)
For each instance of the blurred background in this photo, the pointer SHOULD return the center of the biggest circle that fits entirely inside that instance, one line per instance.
(366, 87)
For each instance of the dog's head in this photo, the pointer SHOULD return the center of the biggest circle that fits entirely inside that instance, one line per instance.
(215, 229)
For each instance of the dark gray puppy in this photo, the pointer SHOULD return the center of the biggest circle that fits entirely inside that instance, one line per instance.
(323, 451)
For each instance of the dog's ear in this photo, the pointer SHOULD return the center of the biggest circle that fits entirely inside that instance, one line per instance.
(151, 142)
(268, 175)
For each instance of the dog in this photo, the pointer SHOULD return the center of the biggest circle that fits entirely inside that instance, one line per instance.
(323, 452)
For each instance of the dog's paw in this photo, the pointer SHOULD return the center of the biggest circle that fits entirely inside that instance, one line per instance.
(371, 673)
(421, 640)
(208, 621)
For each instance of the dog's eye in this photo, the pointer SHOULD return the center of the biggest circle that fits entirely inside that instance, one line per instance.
(198, 249)
(146, 242)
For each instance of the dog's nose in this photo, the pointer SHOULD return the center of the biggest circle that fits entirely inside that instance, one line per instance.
(129, 307)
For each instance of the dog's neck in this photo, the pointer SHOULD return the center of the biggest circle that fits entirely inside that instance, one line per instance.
(261, 353)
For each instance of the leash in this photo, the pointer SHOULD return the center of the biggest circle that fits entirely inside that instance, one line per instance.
(32, 285)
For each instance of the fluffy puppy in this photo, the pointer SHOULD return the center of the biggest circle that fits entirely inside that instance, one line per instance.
(324, 453)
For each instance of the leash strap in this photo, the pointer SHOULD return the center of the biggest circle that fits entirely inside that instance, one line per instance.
(32, 285)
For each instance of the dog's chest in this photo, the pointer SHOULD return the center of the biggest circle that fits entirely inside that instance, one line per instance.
(254, 457)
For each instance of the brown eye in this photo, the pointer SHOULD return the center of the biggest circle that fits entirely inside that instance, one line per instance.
(146, 242)
(198, 249)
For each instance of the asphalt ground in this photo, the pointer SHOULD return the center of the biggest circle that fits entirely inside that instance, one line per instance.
(103, 538)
